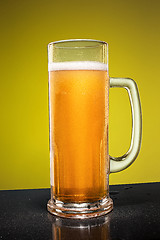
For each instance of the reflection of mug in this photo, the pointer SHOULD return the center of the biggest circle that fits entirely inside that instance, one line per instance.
(92, 229)
(78, 105)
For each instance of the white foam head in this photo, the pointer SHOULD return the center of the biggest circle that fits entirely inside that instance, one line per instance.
(77, 65)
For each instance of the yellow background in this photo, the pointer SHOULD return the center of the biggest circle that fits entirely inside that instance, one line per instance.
(132, 30)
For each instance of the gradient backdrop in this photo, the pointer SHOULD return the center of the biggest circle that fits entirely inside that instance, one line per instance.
(132, 30)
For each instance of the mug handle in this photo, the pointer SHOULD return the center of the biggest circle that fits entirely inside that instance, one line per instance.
(119, 163)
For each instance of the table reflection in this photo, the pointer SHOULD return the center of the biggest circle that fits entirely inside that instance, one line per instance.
(94, 229)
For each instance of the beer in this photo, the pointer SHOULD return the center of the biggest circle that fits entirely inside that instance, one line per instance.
(78, 96)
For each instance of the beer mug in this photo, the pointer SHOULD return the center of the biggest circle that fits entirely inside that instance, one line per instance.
(78, 114)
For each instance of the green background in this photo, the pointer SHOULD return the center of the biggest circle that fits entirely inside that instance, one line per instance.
(132, 31)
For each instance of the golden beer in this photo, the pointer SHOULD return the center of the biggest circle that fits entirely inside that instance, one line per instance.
(78, 97)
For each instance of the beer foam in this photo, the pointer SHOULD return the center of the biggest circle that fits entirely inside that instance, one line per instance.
(77, 65)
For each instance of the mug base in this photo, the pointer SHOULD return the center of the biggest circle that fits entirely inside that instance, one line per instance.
(80, 210)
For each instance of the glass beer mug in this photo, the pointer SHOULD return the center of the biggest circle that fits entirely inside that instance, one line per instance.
(78, 111)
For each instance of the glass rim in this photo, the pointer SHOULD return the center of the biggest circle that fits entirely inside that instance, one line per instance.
(99, 43)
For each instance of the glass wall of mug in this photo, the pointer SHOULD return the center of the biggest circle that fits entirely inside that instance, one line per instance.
(78, 108)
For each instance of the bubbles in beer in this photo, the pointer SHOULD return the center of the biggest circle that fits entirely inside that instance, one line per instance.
(77, 65)
(78, 95)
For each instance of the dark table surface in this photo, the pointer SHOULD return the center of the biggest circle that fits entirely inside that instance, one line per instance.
(136, 215)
